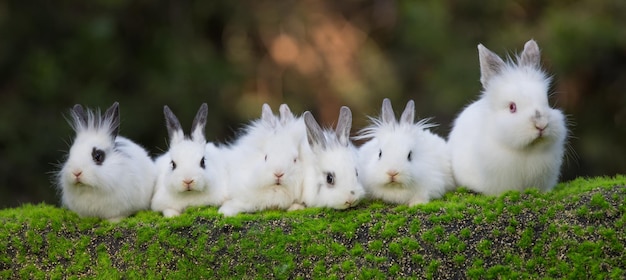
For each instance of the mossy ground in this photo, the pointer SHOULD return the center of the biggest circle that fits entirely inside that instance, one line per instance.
(576, 231)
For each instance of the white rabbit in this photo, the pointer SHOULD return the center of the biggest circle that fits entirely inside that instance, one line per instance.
(187, 172)
(403, 162)
(330, 165)
(510, 138)
(263, 165)
(105, 175)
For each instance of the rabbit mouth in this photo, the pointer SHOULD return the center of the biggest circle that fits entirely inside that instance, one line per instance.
(394, 184)
(80, 184)
(539, 138)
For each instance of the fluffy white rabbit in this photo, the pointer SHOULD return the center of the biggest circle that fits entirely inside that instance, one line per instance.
(510, 138)
(105, 175)
(188, 171)
(330, 165)
(403, 162)
(263, 165)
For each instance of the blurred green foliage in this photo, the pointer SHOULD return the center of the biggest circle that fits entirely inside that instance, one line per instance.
(313, 55)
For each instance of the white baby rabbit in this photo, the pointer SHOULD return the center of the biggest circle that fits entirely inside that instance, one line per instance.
(187, 172)
(404, 162)
(105, 175)
(510, 138)
(264, 166)
(330, 165)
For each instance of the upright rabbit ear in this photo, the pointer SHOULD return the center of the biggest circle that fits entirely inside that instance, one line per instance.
(314, 132)
(344, 124)
(80, 118)
(531, 55)
(285, 114)
(490, 64)
(387, 114)
(112, 117)
(267, 116)
(174, 129)
(199, 123)
(408, 116)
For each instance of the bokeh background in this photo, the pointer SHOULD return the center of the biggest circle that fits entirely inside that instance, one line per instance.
(313, 55)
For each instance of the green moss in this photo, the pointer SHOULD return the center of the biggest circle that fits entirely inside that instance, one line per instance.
(575, 231)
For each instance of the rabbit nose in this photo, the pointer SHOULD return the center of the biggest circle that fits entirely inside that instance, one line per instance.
(188, 181)
(392, 173)
(77, 173)
(279, 174)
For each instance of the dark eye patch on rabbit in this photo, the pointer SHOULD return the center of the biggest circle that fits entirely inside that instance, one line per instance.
(330, 178)
(98, 156)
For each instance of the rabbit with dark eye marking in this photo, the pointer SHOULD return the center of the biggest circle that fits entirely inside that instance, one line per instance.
(510, 138)
(403, 162)
(188, 171)
(330, 165)
(105, 175)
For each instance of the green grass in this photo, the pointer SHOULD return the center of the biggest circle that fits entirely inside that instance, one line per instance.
(576, 231)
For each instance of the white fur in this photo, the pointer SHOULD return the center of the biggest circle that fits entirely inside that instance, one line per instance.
(263, 168)
(120, 186)
(494, 150)
(332, 154)
(189, 183)
(426, 176)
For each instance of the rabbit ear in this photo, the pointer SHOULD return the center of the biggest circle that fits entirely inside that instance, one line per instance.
(80, 117)
(314, 132)
(174, 129)
(112, 117)
(387, 113)
(199, 123)
(267, 116)
(530, 56)
(344, 124)
(408, 116)
(285, 114)
(490, 64)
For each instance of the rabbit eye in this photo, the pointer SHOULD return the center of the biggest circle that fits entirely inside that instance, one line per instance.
(172, 165)
(295, 160)
(202, 163)
(380, 153)
(512, 107)
(330, 178)
(98, 156)
(357, 172)
(265, 157)
(410, 156)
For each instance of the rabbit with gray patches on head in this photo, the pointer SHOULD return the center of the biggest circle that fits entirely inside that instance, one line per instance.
(510, 138)
(263, 166)
(330, 165)
(105, 175)
(403, 162)
(187, 171)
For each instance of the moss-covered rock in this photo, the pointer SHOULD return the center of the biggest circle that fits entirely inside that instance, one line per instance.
(576, 231)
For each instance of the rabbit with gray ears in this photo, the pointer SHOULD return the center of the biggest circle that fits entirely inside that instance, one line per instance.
(105, 175)
(263, 166)
(187, 171)
(510, 138)
(330, 165)
(403, 162)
